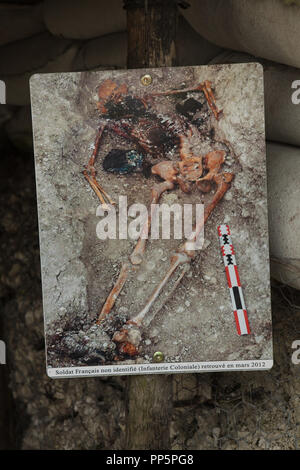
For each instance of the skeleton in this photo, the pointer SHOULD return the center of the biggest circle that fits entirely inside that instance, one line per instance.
(133, 118)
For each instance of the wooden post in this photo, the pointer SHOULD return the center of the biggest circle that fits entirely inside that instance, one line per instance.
(151, 32)
(149, 412)
(151, 29)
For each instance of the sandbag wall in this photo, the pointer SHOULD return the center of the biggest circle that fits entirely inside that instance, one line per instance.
(72, 35)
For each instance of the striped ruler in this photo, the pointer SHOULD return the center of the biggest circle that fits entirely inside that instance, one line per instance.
(233, 280)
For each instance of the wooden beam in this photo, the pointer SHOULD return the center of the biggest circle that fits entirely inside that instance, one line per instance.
(149, 412)
(151, 29)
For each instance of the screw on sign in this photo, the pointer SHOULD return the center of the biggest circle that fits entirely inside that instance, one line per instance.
(158, 356)
(233, 280)
(146, 80)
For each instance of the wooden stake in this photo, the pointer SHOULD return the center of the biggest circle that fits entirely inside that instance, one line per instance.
(149, 412)
(151, 32)
(151, 29)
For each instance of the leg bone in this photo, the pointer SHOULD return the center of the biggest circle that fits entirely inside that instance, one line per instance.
(114, 293)
(137, 254)
(90, 172)
(185, 252)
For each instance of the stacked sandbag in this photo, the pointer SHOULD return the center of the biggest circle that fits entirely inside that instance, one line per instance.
(106, 52)
(284, 212)
(110, 51)
(71, 35)
(48, 37)
(45, 52)
(89, 35)
(263, 28)
(17, 86)
(20, 21)
(192, 48)
(21, 58)
(31, 53)
(77, 19)
(283, 165)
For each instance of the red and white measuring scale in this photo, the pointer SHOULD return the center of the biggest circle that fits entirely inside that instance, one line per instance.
(233, 280)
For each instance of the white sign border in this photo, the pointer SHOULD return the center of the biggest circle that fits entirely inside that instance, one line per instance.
(162, 368)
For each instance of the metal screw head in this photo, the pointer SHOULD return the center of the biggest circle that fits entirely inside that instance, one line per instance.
(158, 356)
(146, 80)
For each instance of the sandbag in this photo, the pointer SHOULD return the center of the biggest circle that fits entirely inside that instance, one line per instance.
(31, 53)
(111, 50)
(107, 51)
(77, 19)
(193, 49)
(264, 28)
(17, 86)
(19, 22)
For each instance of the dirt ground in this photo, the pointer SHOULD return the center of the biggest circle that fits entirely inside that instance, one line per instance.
(78, 269)
(249, 410)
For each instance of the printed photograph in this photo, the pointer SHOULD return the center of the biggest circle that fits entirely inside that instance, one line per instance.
(153, 222)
